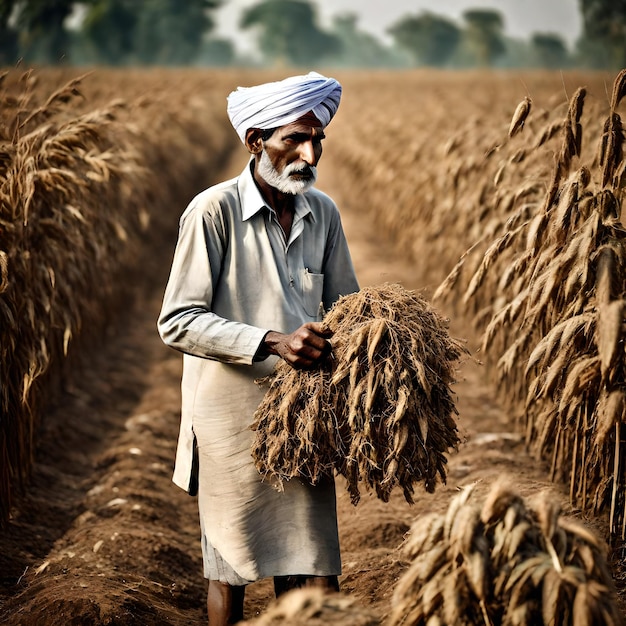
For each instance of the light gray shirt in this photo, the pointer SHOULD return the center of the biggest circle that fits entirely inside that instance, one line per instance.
(235, 276)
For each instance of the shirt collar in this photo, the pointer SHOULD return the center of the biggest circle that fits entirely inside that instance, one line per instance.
(252, 201)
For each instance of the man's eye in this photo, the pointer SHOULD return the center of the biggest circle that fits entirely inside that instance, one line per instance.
(303, 138)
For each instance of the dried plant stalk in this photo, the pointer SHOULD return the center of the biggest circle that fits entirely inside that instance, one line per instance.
(504, 561)
(78, 174)
(557, 321)
(519, 117)
(380, 411)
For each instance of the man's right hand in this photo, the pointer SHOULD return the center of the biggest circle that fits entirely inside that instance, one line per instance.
(304, 348)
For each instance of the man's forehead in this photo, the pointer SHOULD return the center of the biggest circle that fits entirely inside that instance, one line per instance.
(308, 120)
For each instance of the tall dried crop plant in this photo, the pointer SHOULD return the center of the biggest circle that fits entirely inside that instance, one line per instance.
(554, 289)
(446, 176)
(503, 562)
(379, 412)
(52, 258)
(83, 180)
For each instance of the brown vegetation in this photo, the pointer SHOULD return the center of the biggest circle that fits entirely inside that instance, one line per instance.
(380, 412)
(556, 304)
(507, 209)
(83, 197)
(503, 561)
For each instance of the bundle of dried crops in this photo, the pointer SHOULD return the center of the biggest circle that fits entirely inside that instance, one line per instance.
(557, 317)
(505, 561)
(380, 411)
(314, 607)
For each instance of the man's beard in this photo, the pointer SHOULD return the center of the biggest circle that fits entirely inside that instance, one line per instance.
(307, 175)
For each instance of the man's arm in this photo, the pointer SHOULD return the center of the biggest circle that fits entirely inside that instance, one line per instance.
(186, 322)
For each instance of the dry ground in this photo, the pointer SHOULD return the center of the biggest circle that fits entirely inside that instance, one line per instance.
(103, 537)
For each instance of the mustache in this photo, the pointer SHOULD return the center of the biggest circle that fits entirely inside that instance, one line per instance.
(309, 171)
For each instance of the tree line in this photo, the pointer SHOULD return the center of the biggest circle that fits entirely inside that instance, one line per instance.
(288, 32)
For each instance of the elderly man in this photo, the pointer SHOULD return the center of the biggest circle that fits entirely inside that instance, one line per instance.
(258, 260)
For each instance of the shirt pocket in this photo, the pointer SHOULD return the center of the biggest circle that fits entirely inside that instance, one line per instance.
(312, 294)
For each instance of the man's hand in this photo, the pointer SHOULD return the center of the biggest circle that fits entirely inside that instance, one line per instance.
(305, 348)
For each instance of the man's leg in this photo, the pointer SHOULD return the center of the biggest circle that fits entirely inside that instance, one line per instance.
(225, 603)
(283, 584)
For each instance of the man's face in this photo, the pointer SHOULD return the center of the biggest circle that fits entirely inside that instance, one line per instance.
(290, 155)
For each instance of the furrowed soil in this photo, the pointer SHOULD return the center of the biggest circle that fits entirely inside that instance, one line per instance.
(102, 536)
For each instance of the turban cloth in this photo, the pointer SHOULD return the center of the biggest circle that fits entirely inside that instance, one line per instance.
(278, 103)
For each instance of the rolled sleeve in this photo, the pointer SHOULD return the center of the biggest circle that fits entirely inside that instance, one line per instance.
(187, 322)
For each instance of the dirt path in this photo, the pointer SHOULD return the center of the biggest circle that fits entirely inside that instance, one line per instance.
(103, 537)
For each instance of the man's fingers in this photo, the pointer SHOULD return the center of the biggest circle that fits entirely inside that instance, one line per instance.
(319, 329)
(308, 354)
(314, 348)
(316, 343)
(305, 347)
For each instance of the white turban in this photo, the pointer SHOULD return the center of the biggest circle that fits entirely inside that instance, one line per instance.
(278, 103)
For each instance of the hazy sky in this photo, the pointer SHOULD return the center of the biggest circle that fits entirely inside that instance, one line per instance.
(521, 17)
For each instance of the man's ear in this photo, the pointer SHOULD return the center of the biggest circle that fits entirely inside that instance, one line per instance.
(254, 140)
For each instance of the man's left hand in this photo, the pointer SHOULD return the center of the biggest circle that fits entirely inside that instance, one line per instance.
(304, 348)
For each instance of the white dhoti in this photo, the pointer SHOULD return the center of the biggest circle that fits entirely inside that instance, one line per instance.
(249, 529)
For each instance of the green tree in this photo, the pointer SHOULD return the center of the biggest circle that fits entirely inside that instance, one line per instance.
(603, 43)
(519, 53)
(170, 32)
(8, 35)
(484, 35)
(550, 50)
(289, 33)
(150, 32)
(216, 52)
(430, 39)
(109, 28)
(42, 34)
(358, 48)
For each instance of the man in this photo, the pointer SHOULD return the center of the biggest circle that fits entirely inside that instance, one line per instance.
(258, 260)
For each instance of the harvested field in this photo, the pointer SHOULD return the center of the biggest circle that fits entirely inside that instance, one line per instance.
(423, 169)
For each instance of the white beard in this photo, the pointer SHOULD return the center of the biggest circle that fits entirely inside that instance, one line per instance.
(283, 181)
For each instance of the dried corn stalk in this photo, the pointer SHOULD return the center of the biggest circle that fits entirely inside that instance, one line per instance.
(504, 561)
(78, 181)
(379, 412)
(555, 319)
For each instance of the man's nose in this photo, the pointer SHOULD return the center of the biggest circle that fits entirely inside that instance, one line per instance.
(310, 153)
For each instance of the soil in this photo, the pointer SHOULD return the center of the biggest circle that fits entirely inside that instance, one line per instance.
(102, 536)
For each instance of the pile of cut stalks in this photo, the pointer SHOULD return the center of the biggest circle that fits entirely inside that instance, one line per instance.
(505, 560)
(380, 411)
